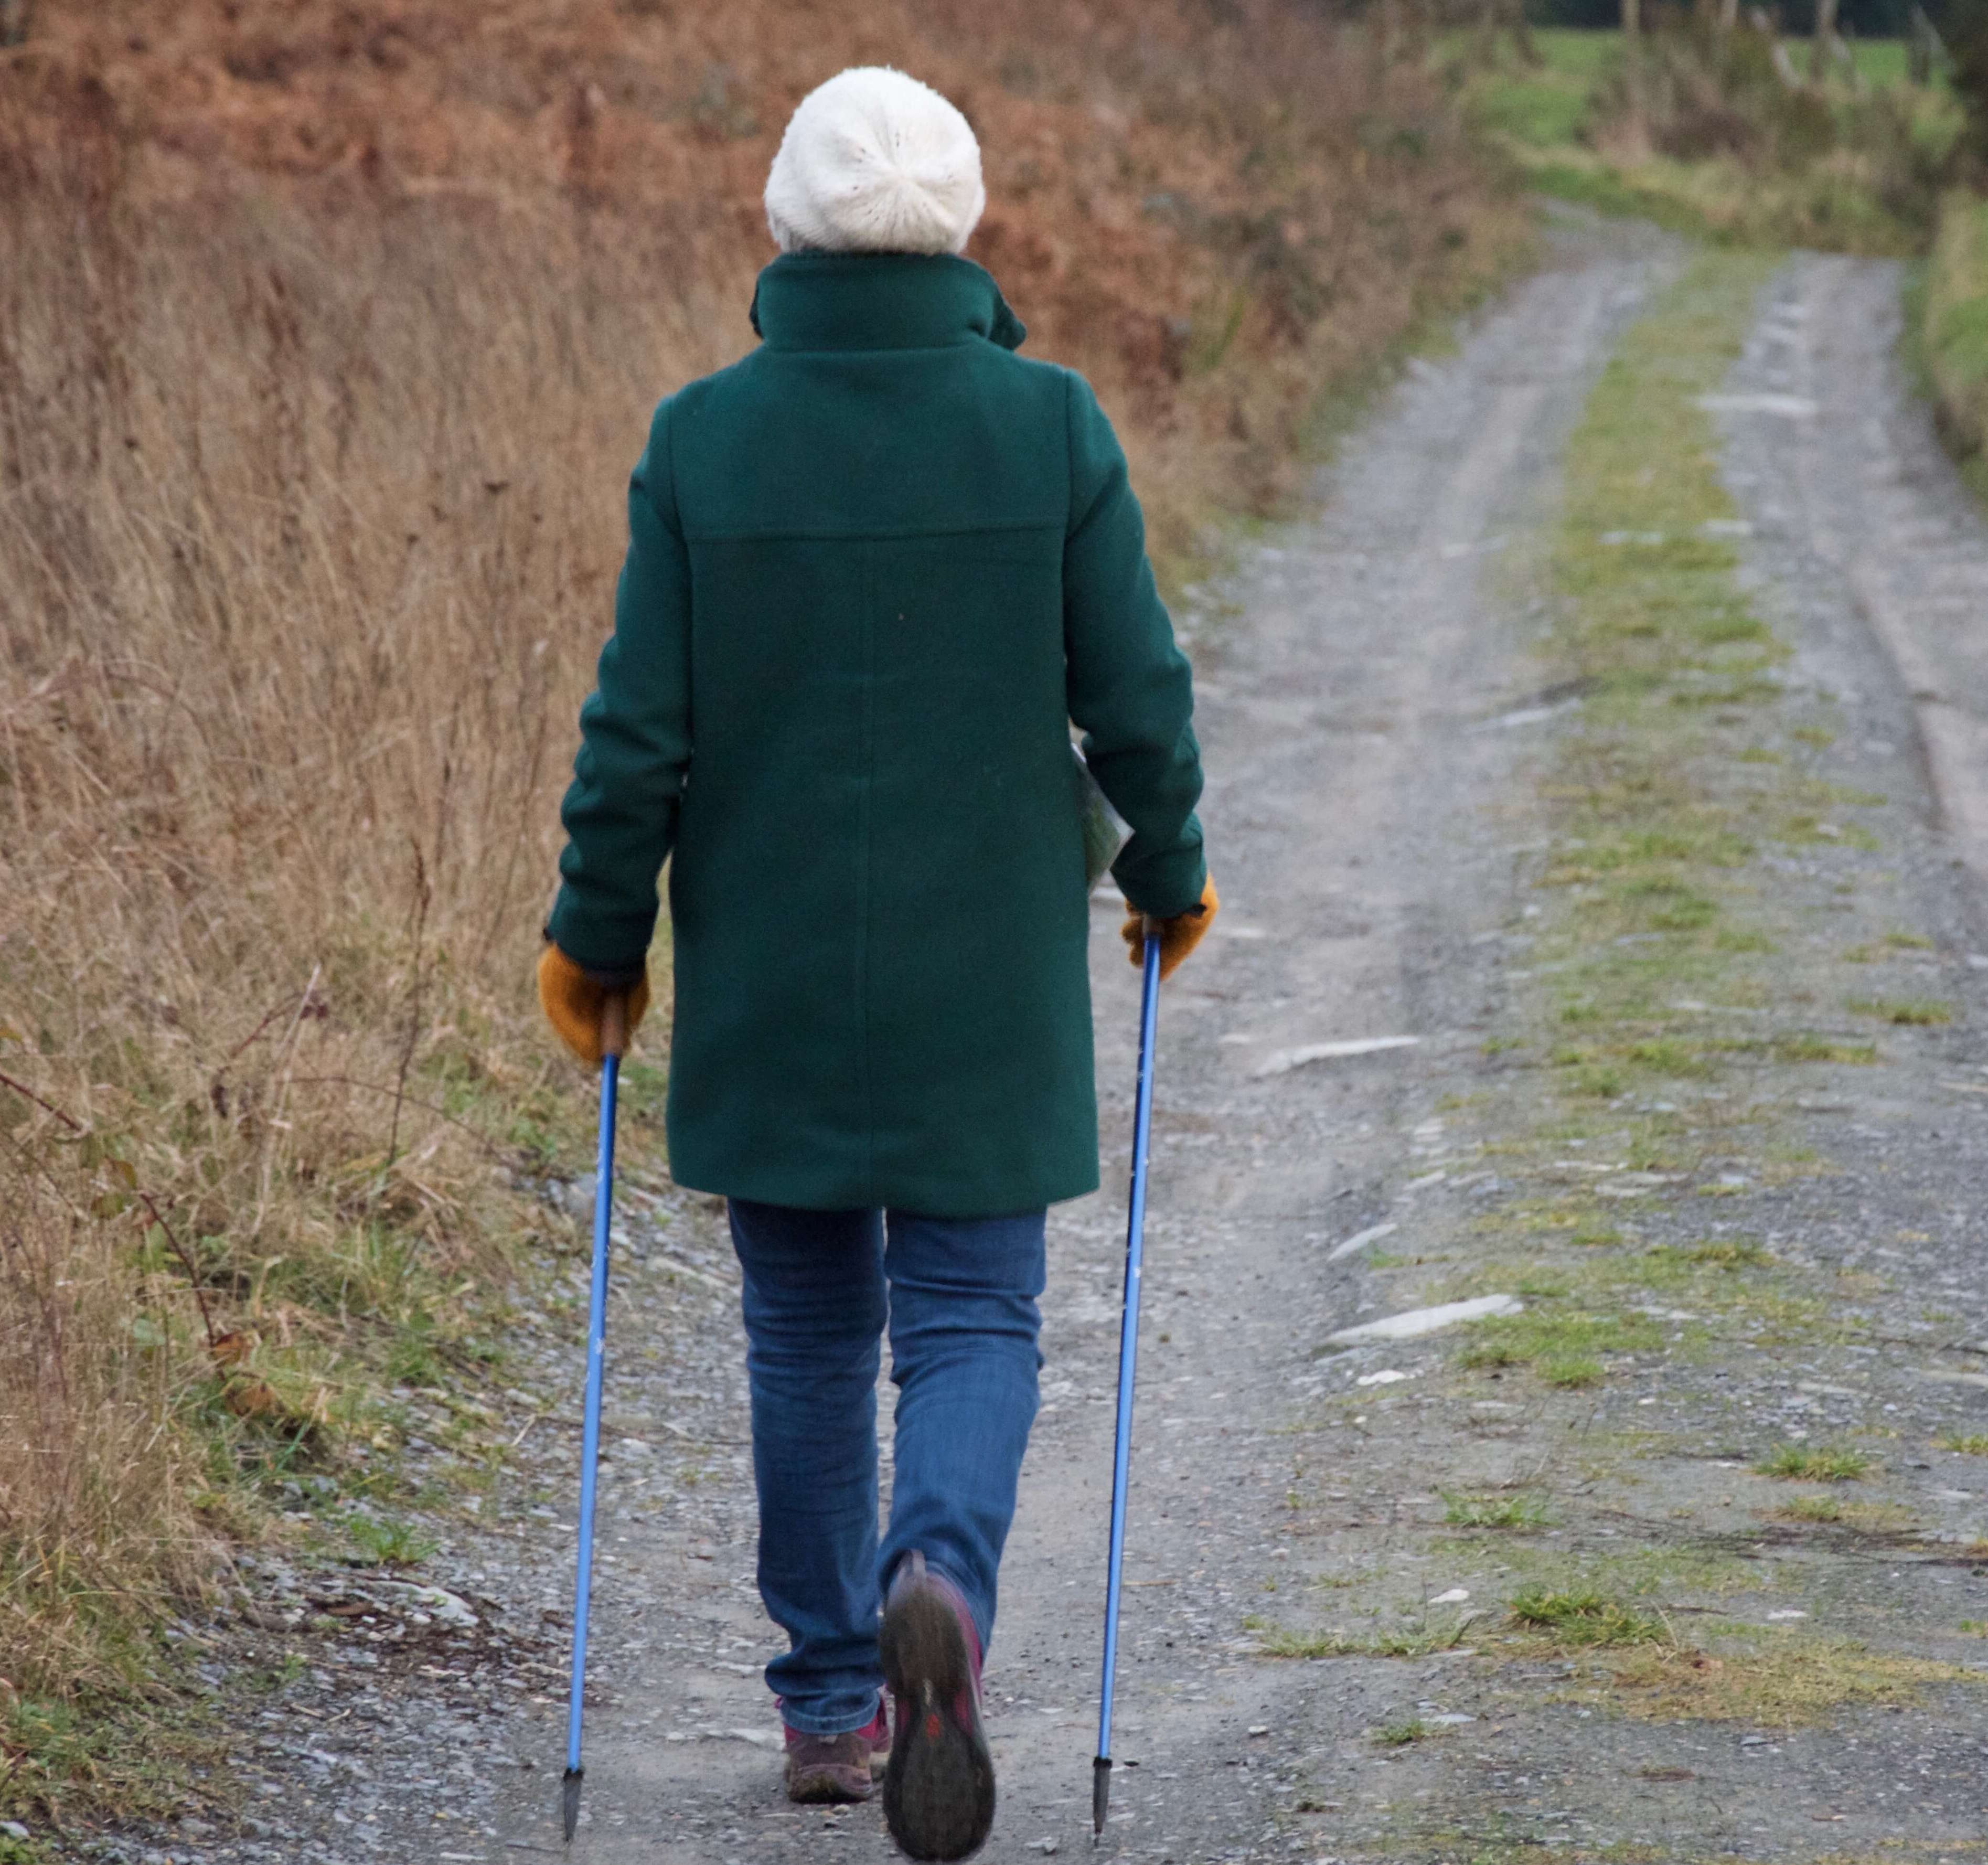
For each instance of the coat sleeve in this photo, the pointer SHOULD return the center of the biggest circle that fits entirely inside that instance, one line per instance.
(1131, 692)
(620, 812)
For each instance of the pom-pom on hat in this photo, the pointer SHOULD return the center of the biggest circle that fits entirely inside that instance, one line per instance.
(874, 161)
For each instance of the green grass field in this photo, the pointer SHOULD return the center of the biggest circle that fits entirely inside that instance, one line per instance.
(1865, 187)
(1548, 105)
(1571, 53)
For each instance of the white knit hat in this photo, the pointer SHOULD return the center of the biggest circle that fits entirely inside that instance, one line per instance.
(874, 161)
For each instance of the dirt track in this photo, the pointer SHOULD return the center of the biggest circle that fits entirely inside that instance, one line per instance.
(1376, 735)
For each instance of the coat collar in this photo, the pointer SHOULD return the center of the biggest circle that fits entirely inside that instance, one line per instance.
(880, 301)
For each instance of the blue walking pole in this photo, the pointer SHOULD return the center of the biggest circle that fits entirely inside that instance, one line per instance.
(1128, 1358)
(613, 1039)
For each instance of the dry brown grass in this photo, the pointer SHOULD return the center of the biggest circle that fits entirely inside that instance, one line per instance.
(1212, 207)
(86, 1472)
(311, 470)
(1778, 1682)
(306, 525)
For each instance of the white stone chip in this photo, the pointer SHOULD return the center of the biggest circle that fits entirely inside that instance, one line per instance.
(1282, 1061)
(1360, 1239)
(1416, 1321)
(1790, 407)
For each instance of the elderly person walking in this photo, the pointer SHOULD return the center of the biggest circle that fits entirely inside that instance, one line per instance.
(875, 571)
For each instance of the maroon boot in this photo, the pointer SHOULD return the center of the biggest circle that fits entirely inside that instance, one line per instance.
(836, 1768)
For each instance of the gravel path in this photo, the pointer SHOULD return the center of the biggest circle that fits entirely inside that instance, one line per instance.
(1376, 727)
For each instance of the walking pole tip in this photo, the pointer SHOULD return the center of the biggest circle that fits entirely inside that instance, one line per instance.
(570, 1801)
(1100, 1794)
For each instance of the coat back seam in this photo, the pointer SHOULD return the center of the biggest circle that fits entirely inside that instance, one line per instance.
(868, 755)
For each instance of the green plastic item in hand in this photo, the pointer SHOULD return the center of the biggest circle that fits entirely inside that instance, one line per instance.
(1104, 830)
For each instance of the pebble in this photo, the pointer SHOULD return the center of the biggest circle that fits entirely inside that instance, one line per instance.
(1416, 1321)
(1360, 1239)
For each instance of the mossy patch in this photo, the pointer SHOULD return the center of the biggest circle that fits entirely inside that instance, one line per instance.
(1564, 1347)
(1418, 1640)
(1921, 1013)
(1728, 1252)
(1823, 1507)
(1803, 1046)
(1781, 1681)
(1581, 1617)
(1815, 1463)
(1657, 1570)
(1519, 1509)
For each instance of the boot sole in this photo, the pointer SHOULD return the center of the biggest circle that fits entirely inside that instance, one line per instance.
(938, 1786)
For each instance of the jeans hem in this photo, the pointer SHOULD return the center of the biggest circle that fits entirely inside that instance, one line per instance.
(804, 1724)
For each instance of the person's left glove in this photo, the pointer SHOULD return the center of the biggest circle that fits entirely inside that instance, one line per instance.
(1178, 935)
(572, 1002)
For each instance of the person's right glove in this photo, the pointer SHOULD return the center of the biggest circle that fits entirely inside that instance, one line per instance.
(572, 1003)
(1178, 935)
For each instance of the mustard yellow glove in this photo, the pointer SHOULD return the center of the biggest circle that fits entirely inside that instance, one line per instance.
(1178, 935)
(573, 1003)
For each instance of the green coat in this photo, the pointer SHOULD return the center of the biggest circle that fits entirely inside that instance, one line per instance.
(874, 570)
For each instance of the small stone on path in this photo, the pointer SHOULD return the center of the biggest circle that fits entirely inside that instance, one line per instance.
(1360, 1239)
(1415, 1321)
(1282, 1061)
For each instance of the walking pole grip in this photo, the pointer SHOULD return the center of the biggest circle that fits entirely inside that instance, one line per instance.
(614, 1026)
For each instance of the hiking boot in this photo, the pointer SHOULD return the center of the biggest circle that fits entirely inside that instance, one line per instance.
(939, 1785)
(836, 1768)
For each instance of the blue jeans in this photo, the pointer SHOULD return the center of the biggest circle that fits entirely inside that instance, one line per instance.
(958, 1296)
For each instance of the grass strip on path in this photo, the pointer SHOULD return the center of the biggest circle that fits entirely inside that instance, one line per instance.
(1664, 1020)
